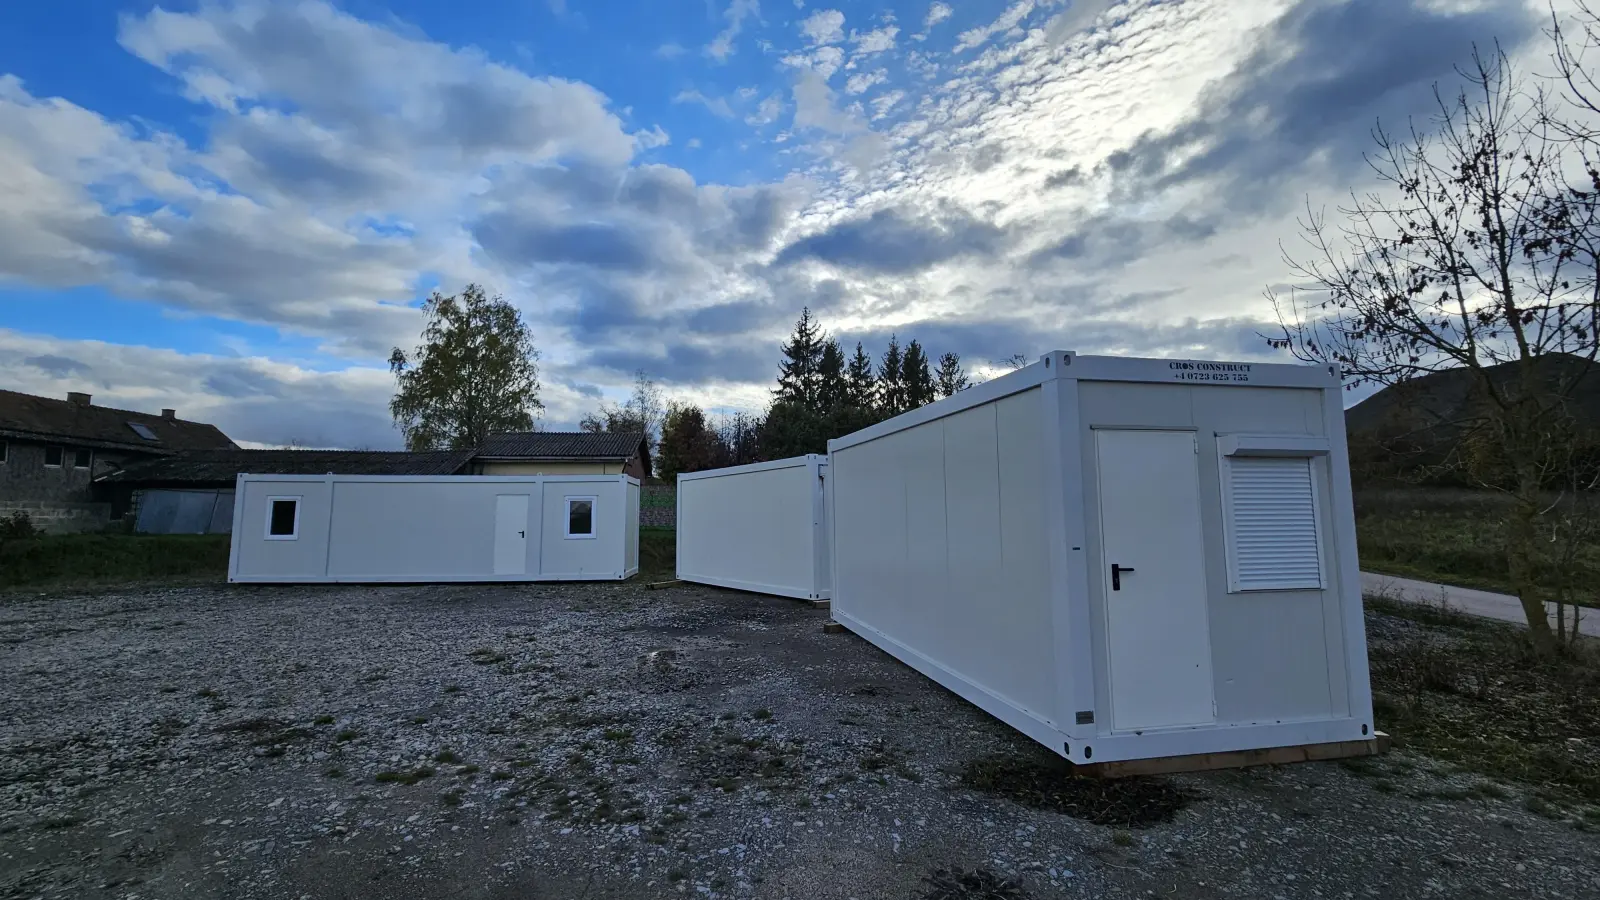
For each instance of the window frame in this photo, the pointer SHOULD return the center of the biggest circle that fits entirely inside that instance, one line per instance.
(299, 502)
(1300, 453)
(594, 510)
(59, 461)
(5, 452)
(89, 464)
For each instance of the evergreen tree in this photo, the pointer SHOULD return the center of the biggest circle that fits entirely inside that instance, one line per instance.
(792, 429)
(919, 385)
(833, 391)
(800, 372)
(952, 379)
(891, 392)
(858, 379)
(475, 374)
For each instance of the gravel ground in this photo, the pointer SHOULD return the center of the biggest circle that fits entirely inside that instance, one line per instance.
(607, 741)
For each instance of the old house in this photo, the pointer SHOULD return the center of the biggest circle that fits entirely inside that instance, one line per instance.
(52, 450)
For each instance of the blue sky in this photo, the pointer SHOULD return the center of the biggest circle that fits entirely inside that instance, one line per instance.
(234, 208)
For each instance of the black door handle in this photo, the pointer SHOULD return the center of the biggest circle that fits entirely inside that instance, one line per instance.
(1116, 575)
(522, 534)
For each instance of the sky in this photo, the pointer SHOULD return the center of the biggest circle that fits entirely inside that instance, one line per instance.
(236, 208)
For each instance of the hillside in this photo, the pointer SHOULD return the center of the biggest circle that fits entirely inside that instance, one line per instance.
(1417, 423)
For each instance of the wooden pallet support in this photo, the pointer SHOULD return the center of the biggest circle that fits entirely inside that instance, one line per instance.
(658, 585)
(1237, 759)
(821, 604)
(832, 628)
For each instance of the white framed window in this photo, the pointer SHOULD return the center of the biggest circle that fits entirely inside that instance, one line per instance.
(1271, 523)
(283, 519)
(53, 457)
(580, 517)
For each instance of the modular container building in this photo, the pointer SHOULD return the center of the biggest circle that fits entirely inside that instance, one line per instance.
(761, 527)
(1124, 559)
(372, 528)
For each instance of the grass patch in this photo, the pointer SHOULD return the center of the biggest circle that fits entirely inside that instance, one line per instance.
(322, 720)
(1044, 781)
(1456, 537)
(447, 756)
(658, 553)
(1474, 695)
(980, 884)
(349, 734)
(68, 560)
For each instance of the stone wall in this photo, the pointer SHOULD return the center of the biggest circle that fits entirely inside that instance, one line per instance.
(60, 518)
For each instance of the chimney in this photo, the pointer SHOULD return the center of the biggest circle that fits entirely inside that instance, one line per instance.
(78, 398)
(169, 414)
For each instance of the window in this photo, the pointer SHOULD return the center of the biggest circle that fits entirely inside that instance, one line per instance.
(53, 457)
(1270, 512)
(580, 517)
(82, 458)
(143, 430)
(283, 518)
(5, 451)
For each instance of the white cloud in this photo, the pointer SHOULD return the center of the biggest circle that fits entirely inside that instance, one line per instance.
(670, 50)
(875, 41)
(1008, 20)
(721, 47)
(767, 111)
(825, 26)
(864, 81)
(717, 105)
(813, 107)
(937, 13)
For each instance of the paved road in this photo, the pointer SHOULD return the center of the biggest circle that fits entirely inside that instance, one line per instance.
(1489, 605)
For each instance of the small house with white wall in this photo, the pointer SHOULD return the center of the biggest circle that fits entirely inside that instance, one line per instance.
(761, 527)
(434, 528)
(1121, 558)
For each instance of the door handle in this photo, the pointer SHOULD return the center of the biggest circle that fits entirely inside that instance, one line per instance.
(1116, 575)
(522, 534)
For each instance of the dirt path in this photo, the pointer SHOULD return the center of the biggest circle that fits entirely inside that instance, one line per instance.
(1484, 604)
(605, 741)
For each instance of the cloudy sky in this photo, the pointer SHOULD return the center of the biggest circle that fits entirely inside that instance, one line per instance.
(234, 208)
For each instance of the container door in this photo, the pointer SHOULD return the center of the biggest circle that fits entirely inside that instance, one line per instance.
(1158, 637)
(511, 534)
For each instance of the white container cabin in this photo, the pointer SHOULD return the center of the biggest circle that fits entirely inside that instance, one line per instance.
(760, 527)
(393, 528)
(1124, 559)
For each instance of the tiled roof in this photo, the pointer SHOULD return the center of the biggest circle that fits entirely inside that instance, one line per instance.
(562, 445)
(217, 466)
(43, 418)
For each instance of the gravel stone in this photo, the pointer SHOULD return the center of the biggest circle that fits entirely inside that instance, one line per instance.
(602, 740)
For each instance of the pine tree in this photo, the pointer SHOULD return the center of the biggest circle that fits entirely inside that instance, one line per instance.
(799, 373)
(833, 391)
(919, 385)
(952, 379)
(891, 383)
(859, 380)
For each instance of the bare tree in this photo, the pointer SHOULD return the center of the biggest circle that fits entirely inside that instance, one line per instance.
(1477, 253)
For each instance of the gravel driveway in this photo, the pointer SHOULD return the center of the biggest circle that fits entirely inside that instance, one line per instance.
(606, 741)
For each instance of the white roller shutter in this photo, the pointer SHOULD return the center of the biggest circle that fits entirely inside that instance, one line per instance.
(1271, 514)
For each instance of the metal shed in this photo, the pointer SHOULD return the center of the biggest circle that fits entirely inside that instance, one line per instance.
(760, 527)
(371, 528)
(1124, 559)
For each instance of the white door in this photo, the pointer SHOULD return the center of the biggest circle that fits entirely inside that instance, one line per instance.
(1158, 636)
(511, 534)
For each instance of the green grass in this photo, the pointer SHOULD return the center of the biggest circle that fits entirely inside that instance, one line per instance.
(1473, 694)
(69, 560)
(658, 553)
(1455, 537)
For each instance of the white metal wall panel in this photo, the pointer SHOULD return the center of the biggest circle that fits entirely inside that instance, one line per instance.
(948, 548)
(421, 529)
(754, 528)
(1271, 515)
(631, 560)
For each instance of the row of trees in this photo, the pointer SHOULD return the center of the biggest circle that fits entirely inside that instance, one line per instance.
(821, 394)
